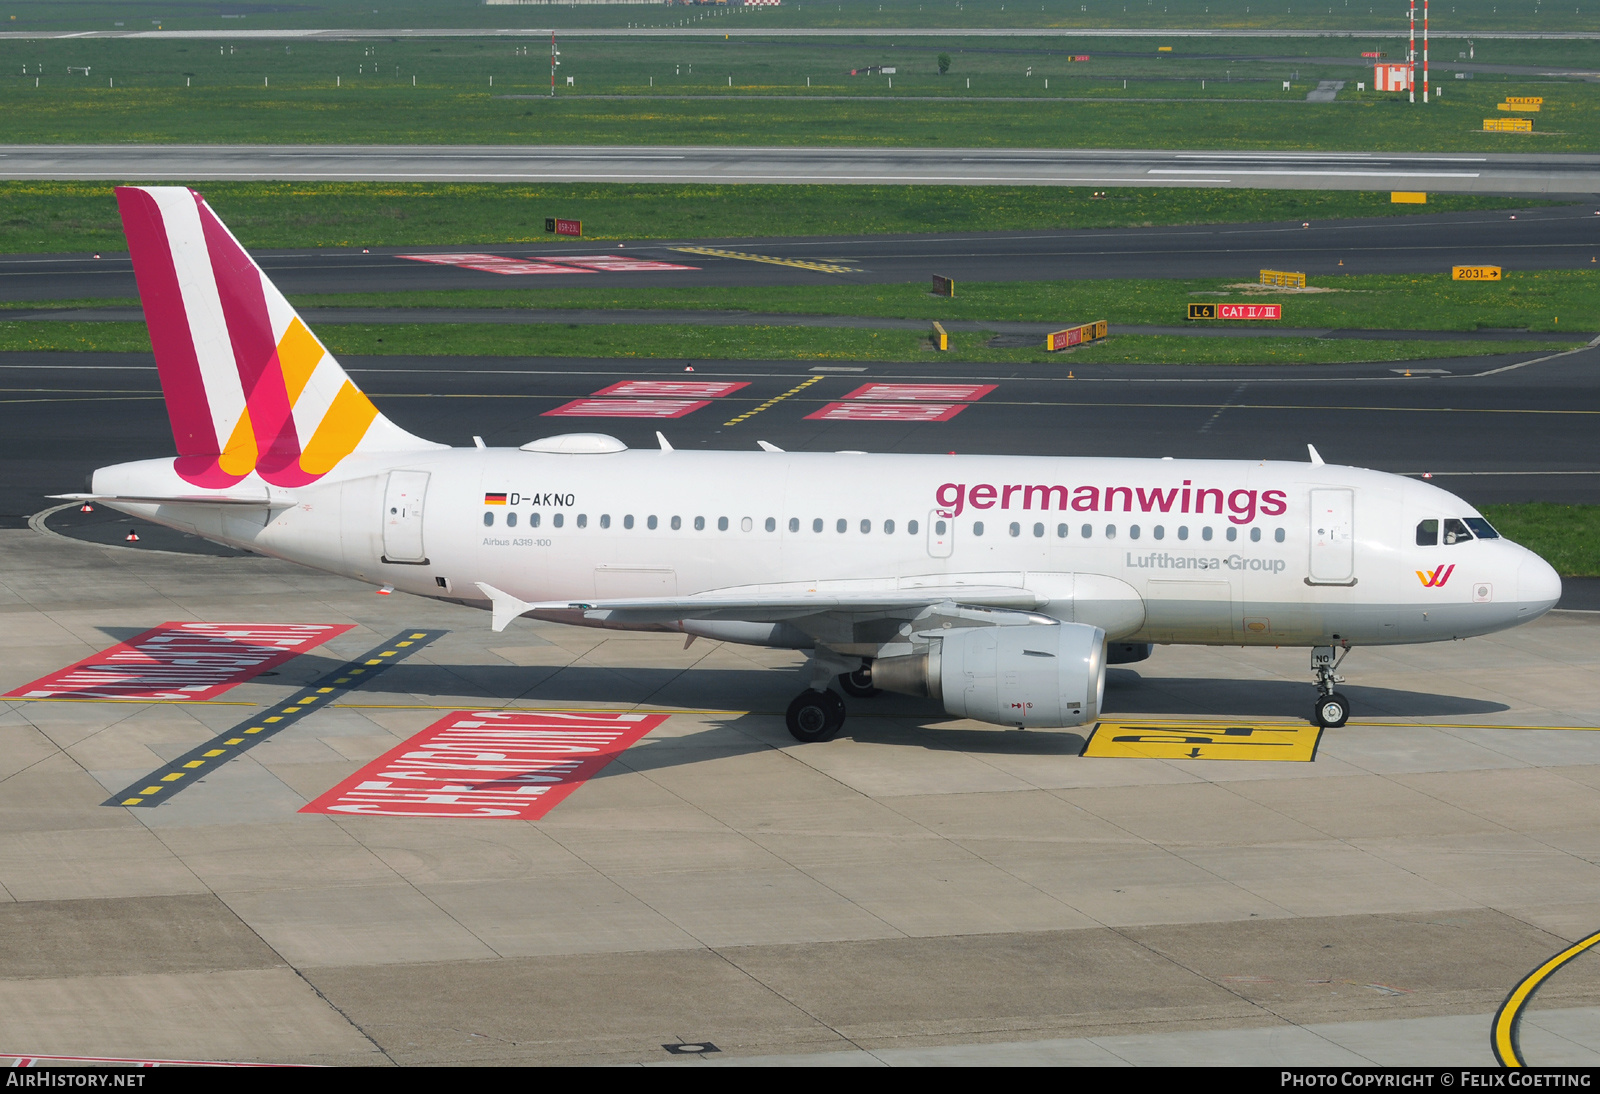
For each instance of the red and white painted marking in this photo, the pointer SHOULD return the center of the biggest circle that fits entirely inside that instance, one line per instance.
(496, 264)
(192, 661)
(514, 765)
(10, 1059)
(548, 264)
(921, 393)
(627, 408)
(887, 412)
(618, 264)
(694, 389)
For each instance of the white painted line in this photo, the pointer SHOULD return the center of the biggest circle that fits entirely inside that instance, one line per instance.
(1334, 174)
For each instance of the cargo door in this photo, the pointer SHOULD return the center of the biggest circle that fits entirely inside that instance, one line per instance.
(403, 499)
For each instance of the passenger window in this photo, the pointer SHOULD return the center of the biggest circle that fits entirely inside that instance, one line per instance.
(911, 527)
(1233, 534)
(699, 524)
(1111, 531)
(977, 527)
(1038, 531)
(650, 522)
(677, 523)
(1183, 531)
(1255, 535)
(816, 525)
(1205, 534)
(745, 524)
(866, 527)
(1160, 532)
(794, 524)
(772, 524)
(488, 520)
(1133, 531)
(841, 525)
(605, 520)
(1016, 529)
(938, 527)
(557, 519)
(627, 522)
(1088, 531)
(583, 520)
(1061, 531)
(888, 527)
(1455, 531)
(511, 520)
(1277, 535)
(722, 524)
(1481, 528)
(533, 521)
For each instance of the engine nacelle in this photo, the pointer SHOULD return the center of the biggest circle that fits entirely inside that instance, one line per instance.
(1036, 677)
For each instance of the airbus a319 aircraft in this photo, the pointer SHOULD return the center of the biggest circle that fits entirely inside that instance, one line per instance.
(1001, 586)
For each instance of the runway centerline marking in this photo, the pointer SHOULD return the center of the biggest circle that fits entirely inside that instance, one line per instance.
(773, 401)
(165, 781)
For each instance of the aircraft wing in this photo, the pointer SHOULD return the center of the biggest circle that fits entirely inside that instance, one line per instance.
(776, 603)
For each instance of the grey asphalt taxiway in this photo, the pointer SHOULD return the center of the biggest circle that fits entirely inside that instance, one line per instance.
(1495, 173)
(1561, 236)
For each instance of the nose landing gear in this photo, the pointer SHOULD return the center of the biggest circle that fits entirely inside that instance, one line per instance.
(1332, 709)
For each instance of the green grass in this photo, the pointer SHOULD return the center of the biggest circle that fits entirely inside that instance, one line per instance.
(677, 91)
(769, 343)
(1566, 536)
(1476, 15)
(1540, 300)
(48, 217)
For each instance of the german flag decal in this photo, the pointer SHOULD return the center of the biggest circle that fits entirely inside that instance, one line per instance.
(494, 499)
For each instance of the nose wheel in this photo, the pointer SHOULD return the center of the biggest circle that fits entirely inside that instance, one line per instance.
(815, 716)
(1332, 709)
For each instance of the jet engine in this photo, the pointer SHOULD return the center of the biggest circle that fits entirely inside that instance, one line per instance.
(1036, 677)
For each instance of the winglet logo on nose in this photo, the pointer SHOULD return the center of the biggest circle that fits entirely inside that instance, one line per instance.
(1435, 578)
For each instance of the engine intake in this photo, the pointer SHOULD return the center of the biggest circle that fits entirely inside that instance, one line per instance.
(1036, 677)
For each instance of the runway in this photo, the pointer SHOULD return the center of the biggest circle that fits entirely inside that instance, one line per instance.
(1549, 237)
(1488, 173)
(1484, 427)
(720, 30)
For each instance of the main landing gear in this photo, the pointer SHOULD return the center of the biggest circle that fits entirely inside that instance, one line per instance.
(1332, 709)
(815, 716)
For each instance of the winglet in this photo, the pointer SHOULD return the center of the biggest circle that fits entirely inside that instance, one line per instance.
(665, 445)
(1316, 457)
(506, 606)
(768, 446)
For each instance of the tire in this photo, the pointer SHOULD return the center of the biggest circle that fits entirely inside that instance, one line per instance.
(1332, 711)
(858, 683)
(815, 716)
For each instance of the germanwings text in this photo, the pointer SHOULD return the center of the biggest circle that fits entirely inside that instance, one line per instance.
(1240, 506)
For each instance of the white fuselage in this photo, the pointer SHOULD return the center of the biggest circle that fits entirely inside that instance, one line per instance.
(1167, 551)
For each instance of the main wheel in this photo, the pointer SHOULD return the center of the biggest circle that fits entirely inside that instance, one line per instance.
(858, 683)
(1332, 711)
(815, 716)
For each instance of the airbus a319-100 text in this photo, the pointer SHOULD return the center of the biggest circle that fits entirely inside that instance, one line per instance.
(1000, 586)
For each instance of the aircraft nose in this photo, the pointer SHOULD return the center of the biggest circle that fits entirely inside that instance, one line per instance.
(1538, 587)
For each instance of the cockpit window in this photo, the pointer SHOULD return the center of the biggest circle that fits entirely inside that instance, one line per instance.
(1428, 533)
(1482, 528)
(1455, 532)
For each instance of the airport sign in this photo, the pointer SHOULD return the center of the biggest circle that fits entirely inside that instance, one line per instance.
(1474, 273)
(563, 227)
(1235, 311)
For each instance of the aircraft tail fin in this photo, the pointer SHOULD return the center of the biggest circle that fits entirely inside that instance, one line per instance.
(248, 387)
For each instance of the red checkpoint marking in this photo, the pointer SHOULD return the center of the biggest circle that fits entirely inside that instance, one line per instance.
(192, 661)
(915, 393)
(10, 1059)
(497, 264)
(617, 263)
(627, 408)
(513, 765)
(887, 412)
(696, 389)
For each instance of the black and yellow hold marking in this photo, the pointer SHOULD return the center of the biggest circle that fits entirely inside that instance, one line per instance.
(1508, 1019)
(1205, 741)
(799, 263)
(160, 785)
